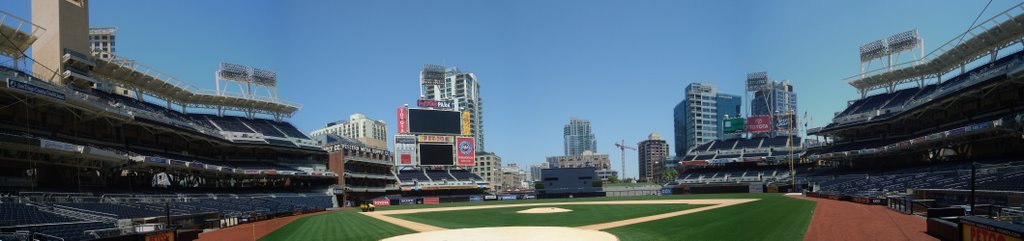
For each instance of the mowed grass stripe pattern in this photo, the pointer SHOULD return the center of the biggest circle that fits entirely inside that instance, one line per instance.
(774, 217)
(341, 225)
(580, 215)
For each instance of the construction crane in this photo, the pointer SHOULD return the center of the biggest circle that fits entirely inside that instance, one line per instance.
(622, 147)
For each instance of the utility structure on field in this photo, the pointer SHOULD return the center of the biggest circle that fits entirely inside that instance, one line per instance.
(622, 148)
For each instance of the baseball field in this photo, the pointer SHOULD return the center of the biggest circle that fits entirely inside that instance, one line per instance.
(676, 217)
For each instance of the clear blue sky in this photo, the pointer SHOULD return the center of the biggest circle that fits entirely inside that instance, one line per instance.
(621, 64)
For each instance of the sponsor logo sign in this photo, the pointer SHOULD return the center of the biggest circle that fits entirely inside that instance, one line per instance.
(405, 149)
(733, 125)
(759, 124)
(160, 236)
(476, 198)
(433, 81)
(435, 139)
(442, 104)
(403, 120)
(431, 200)
(466, 151)
(978, 231)
(466, 128)
(382, 202)
(785, 122)
(14, 84)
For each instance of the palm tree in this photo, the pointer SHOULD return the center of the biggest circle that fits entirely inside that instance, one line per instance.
(669, 174)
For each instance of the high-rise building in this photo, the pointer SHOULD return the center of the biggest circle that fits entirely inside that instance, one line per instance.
(371, 132)
(102, 40)
(450, 84)
(578, 137)
(535, 170)
(652, 155)
(776, 97)
(698, 118)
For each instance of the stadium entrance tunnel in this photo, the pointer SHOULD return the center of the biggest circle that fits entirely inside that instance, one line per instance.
(509, 234)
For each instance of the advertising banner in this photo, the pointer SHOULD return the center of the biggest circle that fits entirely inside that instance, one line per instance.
(785, 122)
(439, 104)
(466, 128)
(976, 228)
(466, 152)
(759, 124)
(14, 84)
(435, 139)
(403, 120)
(381, 202)
(431, 200)
(160, 236)
(756, 188)
(508, 197)
(733, 125)
(405, 150)
(476, 198)
(408, 201)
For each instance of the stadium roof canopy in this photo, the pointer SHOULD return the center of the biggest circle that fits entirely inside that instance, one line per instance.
(153, 82)
(18, 35)
(998, 32)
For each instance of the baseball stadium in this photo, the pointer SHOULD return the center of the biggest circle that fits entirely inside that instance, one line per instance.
(99, 146)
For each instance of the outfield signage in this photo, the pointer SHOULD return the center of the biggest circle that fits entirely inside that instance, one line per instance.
(466, 128)
(435, 139)
(975, 228)
(405, 150)
(403, 120)
(14, 84)
(785, 122)
(759, 124)
(733, 125)
(465, 151)
(440, 104)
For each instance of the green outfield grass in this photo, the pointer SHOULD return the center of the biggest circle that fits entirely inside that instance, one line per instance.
(774, 217)
(341, 225)
(580, 215)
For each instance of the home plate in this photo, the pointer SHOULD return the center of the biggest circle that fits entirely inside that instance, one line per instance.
(544, 210)
(509, 234)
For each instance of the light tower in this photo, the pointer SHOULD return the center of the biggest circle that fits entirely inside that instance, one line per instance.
(622, 148)
(248, 81)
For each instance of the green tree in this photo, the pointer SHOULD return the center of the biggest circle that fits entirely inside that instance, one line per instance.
(669, 174)
(613, 179)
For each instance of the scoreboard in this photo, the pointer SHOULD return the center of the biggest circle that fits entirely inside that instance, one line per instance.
(430, 137)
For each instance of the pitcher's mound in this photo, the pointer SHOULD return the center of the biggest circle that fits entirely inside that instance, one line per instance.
(509, 234)
(544, 210)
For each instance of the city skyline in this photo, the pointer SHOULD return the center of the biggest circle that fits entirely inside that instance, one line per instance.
(661, 75)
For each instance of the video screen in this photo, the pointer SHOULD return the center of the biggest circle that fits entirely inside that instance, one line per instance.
(435, 122)
(437, 154)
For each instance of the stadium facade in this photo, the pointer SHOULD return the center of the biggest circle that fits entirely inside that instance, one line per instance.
(82, 162)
